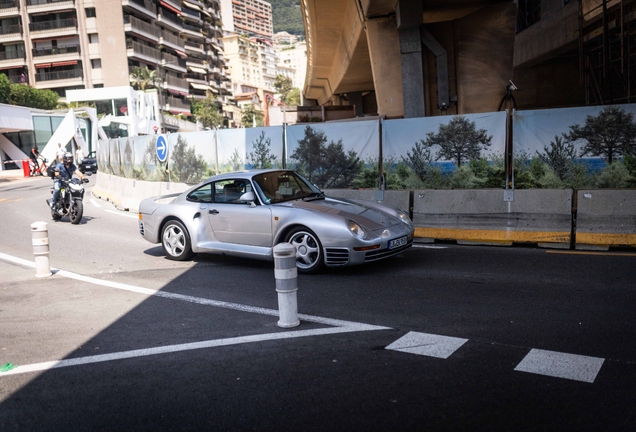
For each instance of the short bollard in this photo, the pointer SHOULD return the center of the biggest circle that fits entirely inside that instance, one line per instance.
(40, 240)
(286, 284)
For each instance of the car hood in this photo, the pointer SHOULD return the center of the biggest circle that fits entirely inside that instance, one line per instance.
(366, 216)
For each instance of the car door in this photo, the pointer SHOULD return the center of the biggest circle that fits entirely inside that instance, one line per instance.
(235, 221)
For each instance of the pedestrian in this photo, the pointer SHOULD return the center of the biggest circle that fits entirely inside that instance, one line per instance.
(35, 154)
(79, 156)
(60, 152)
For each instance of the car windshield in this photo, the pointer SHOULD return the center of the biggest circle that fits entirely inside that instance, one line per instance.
(279, 186)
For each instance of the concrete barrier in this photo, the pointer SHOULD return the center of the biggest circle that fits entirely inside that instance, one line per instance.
(126, 194)
(392, 198)
(605, 218)
(481, 216)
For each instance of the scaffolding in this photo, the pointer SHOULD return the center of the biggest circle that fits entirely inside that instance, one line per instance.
(607, 45)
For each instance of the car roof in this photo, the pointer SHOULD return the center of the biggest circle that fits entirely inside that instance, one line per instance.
(245, 174)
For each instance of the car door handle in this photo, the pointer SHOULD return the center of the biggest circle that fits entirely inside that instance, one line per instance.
(214, 212)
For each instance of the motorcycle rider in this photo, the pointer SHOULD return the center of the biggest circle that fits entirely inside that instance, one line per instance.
(63, 170)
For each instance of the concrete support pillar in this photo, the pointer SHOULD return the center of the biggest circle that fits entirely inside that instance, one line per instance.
(355, 99)
(409, 15)
(386, 66)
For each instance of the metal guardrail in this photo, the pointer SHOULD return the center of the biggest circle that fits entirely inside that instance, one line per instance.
(15, 28)
(11, 55)
(52, 25)
(57, 50)
(59, 75)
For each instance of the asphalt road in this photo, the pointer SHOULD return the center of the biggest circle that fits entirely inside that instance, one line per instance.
(443, 337)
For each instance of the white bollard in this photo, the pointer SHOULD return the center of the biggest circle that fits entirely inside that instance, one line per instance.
(40, 241)
(286, 276)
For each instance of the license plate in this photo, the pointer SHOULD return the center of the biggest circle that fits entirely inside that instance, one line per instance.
(398, 242)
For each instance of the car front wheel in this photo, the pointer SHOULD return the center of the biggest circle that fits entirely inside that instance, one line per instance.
(309, 258)
(176, 241)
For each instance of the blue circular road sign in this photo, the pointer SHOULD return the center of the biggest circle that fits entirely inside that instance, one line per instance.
(162, 148)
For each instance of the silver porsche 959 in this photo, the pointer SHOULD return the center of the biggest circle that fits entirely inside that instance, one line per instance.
(246, 214)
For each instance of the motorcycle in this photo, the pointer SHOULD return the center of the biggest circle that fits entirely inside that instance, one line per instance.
(69, 202)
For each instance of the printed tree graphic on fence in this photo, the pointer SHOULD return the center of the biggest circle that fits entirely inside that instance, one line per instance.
(326, 165)
(459, 141)
(610, 134)
(262, 157)
(187, 166)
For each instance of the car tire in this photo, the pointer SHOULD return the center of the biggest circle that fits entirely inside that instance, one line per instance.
(176, 241)
(309, 254)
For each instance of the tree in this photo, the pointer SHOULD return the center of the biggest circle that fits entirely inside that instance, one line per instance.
(251, 117)
(459, 140)
(421, 161)
(25, 95)
(187, 166)
(293, 97)
(207, 112)
(325, 165)
(261, 157)
(143, 78)
(5, 89)
(560, 156)
(610, 134)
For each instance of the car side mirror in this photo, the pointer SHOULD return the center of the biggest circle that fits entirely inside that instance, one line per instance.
(248, 196)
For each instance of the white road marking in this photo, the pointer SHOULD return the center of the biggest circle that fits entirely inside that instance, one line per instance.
(427, 344)
(339, 325)
(561, 365)
(429, 247)
(94, 203)
(118, 213)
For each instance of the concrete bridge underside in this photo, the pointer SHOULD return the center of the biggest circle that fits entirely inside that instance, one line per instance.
(415, 57)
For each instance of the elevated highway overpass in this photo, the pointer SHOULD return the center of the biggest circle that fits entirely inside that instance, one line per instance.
(416, 58)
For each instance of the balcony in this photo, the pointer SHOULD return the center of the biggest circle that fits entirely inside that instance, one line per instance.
(12, 59)
(49, 6)
(194, 47)
(53, 25)
(143, 52)
(59, 75)
(178, 105)
(141, 28)
(55, 51)
(172, 41)
(176, 83)
(11, 32)
(147, 7)
(173, 62)
(169, 19)
(191, 30)
(9, 7)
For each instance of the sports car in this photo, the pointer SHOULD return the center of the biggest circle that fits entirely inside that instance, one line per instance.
(247, 213)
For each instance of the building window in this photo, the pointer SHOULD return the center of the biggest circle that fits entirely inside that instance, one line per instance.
(96, 63)
(528, 13)
(90, 13)
(93, 38)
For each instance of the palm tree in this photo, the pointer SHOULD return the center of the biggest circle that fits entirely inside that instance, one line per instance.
(143, 77)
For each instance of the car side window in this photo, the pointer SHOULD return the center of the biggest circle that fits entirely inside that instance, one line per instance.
(229, 191)
(202, 194)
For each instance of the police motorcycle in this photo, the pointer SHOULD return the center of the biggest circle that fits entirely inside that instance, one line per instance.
(70, 200)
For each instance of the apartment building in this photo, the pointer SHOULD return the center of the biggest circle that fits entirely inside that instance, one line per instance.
(251, 17)
(82, 44)
(292, 62)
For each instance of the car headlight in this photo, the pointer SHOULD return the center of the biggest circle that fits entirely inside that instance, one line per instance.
(356, 229)
(404, 217)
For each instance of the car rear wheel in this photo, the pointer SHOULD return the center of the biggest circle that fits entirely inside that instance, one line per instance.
(176, 241)
(309, 257)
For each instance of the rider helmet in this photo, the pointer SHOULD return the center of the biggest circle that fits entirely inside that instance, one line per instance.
(68, 158)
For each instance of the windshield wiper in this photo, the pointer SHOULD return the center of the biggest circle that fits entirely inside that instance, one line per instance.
(314, 196)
